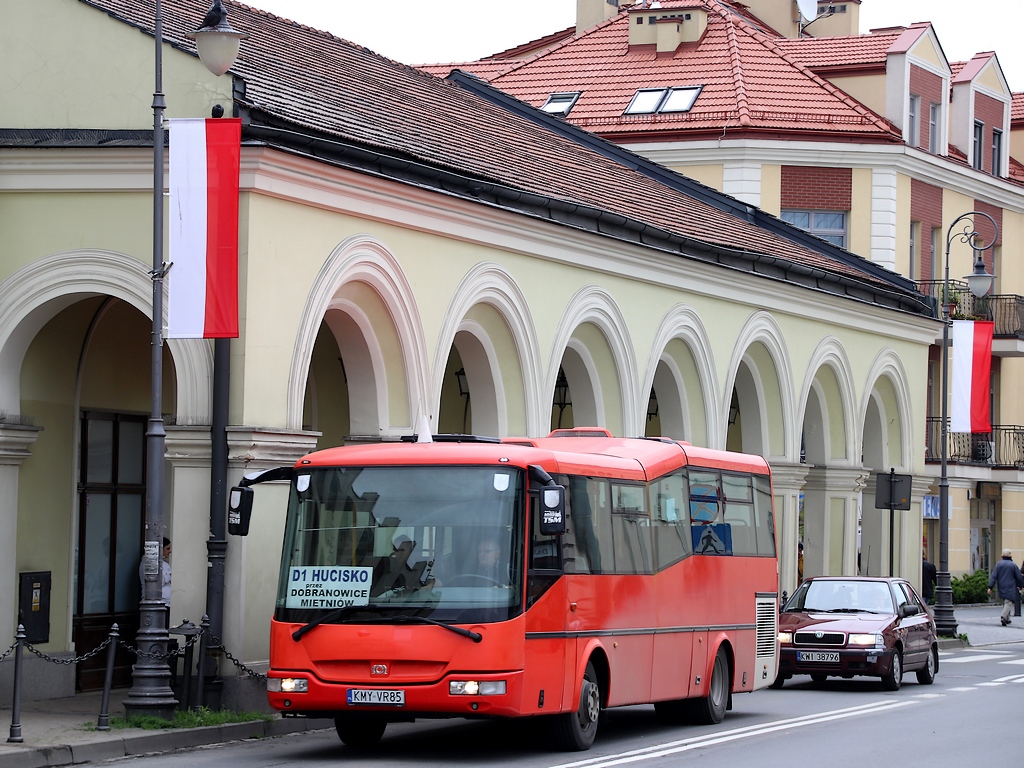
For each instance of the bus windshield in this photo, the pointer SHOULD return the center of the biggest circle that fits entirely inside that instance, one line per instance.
(372, 544)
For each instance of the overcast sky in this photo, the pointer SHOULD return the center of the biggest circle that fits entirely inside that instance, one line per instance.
(420, 31)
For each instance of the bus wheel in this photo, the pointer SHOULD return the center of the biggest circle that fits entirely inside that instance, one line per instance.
(360, 731)
(711, 709)
(575, 731)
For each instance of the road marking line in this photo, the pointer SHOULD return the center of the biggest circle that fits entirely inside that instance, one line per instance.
(970, 659)
(1010, 679)
(962, 689)
(685, 745)
(1013, 661)
(990, 685)
(929, 695)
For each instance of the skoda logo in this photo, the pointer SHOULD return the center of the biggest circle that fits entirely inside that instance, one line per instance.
(379, 669)
(819, 635)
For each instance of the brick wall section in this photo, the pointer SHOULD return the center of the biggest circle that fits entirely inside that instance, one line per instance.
(928, 86)
(990, 112)
(926, 208)
(816, 189)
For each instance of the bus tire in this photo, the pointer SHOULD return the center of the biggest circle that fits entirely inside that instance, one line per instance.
(710, 709)
(360, 731)
(576, 731)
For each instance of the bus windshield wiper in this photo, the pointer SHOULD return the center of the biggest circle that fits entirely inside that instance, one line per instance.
(332, 616)
(476, 637)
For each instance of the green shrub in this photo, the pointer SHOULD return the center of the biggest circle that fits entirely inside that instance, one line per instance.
(970, 589)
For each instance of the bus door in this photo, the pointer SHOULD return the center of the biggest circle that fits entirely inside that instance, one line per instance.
(550, 647)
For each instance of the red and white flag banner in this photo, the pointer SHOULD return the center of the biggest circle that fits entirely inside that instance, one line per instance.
(972, 371)
(202, 284)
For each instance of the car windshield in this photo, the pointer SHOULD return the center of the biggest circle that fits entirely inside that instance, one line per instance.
(388, 543)
(836, 596)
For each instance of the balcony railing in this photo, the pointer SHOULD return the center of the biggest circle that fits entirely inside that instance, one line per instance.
(1002, 447)
(1007, 311)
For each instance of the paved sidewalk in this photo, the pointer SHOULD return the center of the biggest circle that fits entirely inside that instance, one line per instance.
(63, 731)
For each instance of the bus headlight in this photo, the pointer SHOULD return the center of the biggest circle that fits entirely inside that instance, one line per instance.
(476, 687)
(287, 685)
(785, 638)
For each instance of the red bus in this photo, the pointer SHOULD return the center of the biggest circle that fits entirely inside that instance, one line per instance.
(552, 577)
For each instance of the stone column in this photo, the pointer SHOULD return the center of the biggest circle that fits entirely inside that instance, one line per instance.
(15, 446)
(831, 496)
(187, 521)
(787, 483)
(253, 561)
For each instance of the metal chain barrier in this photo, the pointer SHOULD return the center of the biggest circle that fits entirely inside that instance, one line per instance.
(9, 651)
(54, 660)
(250, 672)
(157, 655)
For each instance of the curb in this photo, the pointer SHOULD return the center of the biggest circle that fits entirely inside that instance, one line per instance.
(150, 743)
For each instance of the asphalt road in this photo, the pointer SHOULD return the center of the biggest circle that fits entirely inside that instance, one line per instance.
(967, 717)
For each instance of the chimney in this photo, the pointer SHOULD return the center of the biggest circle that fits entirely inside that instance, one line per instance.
(591, 12)
(666, 29)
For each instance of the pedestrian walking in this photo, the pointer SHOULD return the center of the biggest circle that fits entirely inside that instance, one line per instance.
(928, 578)
(1009, 579)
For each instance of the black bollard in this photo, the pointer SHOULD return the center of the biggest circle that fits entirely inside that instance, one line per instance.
(103, 723)
(204, 627)
(19, 641)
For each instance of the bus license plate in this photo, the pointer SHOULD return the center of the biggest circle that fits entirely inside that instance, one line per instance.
(376, 697)
(817, 656)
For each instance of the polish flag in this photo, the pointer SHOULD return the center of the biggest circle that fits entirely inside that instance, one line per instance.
(972, 369)
(202, 283)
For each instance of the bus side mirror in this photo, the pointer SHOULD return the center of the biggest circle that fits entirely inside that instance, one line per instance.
(552, 510)
(239, 510)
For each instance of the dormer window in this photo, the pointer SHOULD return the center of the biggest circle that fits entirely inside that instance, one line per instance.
(915, 110)
(997, 152)
(933, 128)
(647, 101)
(977, 159)
(560, 103)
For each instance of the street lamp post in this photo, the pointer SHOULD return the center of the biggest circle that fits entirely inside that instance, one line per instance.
(151, 693)
(979, 282)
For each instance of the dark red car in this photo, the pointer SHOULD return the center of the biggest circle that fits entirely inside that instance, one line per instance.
(844, 626)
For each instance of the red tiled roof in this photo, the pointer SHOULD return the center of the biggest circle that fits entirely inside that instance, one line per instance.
(534, 46)
(318, 83)
(750, 84)
(852, 50)
(487, 69)
(965, 71)
(1017, 108)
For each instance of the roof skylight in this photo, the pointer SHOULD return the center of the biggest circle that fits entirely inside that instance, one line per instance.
(560, 103)
(647, 101)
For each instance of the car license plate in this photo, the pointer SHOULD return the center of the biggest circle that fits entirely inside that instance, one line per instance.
(376, 697)
(825, 656)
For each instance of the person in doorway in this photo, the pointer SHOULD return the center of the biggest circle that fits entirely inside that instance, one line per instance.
(1009, 579)
(799, 562)
(165, 573)
(928, 578)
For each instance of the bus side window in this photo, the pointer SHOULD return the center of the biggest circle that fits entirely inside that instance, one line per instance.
(764, 517)
(543, 549)
(670, 519)
(739, 513)
(631, 528)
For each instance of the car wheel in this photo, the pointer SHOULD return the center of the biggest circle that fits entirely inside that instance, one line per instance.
(710, 709)
(926, 675)
(778, 682)
(819, 678)
(576, 731)
(892, 680)
(360, 731)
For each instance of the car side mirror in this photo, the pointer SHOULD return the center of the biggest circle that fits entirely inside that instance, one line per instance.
(908, 609)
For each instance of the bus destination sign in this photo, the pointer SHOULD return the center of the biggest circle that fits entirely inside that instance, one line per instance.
(328, 586)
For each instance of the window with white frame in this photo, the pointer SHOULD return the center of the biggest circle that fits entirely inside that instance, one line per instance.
(647, 101)
(915, 228)
(828, 225)
(933, 129)
(979, 140)
(912, 116)
(560, 103)
(997, 151)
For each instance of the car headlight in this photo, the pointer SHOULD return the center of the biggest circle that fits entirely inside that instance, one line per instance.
(865, 639)
(785, 638)
(476, 687)
(287, 685)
